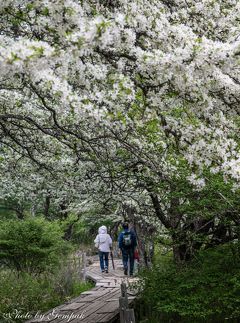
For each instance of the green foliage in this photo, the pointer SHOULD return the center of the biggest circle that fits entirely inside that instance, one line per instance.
(207, 290)
(5, 213)
(25, 293)
(31, 245)
(36, 273)
(84, 232)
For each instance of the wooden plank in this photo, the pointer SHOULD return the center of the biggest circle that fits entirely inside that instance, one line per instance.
(67, 316)
(93, 297)
(48, 317)
(93, 277)
(72, 306)
(105, 285)
(109, 317)
(89, 292)
(44, 317)
(95, 307)
(95, 318)
(98, 293)
(109, 307)
(86, 311)
(130, 298)
(82, 295)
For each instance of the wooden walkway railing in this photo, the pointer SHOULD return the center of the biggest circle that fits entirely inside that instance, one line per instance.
(98, 305)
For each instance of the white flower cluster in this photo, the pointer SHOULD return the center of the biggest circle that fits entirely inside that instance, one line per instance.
(127, 90)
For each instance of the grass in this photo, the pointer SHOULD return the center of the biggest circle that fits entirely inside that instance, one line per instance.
(24, 294)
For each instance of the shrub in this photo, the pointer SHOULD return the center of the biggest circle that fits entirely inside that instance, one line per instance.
(31, 245)
(207, 290)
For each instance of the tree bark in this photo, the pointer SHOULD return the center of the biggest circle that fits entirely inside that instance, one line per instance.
(47, 206)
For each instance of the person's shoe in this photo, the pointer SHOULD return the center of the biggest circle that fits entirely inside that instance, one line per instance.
(131, 274)
(125, 272)
(106, 271)
(103, 271)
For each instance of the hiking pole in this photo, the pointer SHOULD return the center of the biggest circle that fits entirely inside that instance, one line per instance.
(111, 254)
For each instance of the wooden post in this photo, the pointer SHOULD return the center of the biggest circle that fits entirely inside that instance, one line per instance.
(129, 316)
(126, 314)
(123, 304)
(123, 289)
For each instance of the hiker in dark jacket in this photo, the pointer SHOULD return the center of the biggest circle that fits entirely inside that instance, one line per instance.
(127, 242)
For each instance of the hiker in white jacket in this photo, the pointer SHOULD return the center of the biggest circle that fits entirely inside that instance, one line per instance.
(103, 242)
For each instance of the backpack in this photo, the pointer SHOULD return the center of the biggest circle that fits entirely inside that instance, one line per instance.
(127, 239)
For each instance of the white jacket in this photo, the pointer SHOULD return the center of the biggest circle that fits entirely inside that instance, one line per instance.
(103, 240)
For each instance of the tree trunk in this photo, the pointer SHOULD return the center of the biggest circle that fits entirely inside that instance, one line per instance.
(19, 213)
(47, 206)
(64, 212)
(182, 251)
(68, 232)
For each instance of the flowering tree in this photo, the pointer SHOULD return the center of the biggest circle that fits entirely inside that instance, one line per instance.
(143, 97)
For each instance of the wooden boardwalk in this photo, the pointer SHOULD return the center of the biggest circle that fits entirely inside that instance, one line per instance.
(100, 304)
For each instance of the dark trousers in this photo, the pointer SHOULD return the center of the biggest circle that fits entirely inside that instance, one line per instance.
(128, 255)
(103, 257)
